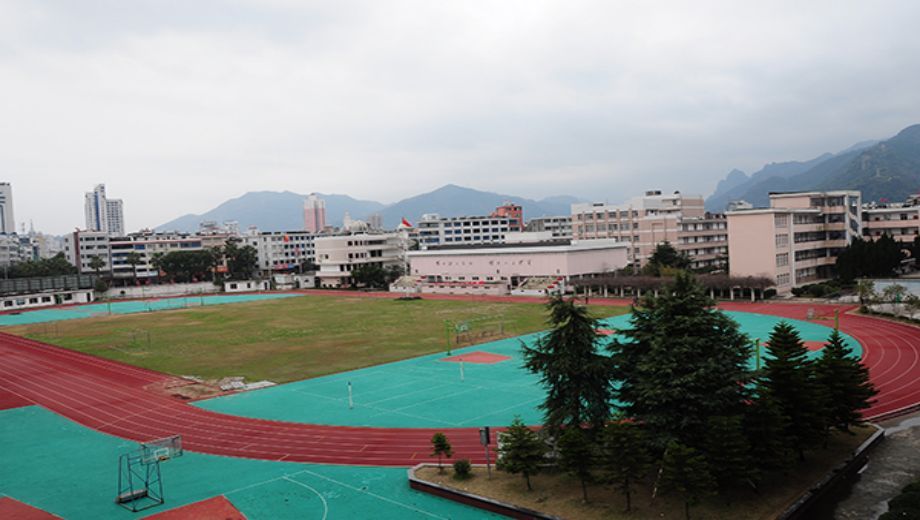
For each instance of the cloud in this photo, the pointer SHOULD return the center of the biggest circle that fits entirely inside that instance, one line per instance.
(177, 106)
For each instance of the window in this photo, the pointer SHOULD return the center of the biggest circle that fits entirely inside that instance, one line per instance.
(781, 221)
(782, 279)
(782, 259)
(782, 240)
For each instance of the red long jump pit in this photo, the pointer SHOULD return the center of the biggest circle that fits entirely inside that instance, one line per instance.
(10, 508)
(482, 358)
(215, 508)
(606, 332)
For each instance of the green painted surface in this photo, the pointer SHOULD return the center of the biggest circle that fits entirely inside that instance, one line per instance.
(130, 307)
(428, 392)
(71, 471)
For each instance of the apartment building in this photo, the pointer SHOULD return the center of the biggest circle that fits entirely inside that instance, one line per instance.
(558, 227)
(7, 221)
(314, 214)
(513, 212)
(283, 251)
(797, 239)
(103, 213)
(435, 230)
(81, 246)
(899, 220)
(648, 221)
(338, 255)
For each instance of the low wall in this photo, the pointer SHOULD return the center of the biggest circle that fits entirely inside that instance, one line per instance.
(164, 290)
(802, 508)
(487, 504)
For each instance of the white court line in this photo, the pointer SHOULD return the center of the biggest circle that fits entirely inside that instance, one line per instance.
(321, 497)
(375, 495)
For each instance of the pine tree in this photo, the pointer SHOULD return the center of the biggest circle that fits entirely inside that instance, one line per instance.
(575, 374)
(578, 456)
(788, 375)
(684, 361)
(729, 453)
(441, 449)
(624, 456)
(686, 471)
(521, 451)
(766, 428)
(846, 382)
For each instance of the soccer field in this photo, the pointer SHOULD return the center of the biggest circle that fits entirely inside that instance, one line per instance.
(286, 339)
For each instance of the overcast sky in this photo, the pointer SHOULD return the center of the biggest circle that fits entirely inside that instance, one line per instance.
(178, 106)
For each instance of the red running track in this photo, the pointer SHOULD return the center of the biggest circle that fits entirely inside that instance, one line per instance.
(115, 398)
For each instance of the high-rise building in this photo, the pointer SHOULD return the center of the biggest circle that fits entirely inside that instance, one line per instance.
(314, 214)
(115, 217)
(7, 223)
(102, 213)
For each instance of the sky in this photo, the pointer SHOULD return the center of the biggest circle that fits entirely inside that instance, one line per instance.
(178, 106)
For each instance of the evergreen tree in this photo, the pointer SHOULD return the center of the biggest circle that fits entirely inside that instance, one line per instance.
(665, 258)
(575, 374)
(685, 470)
(729, 453)
(684, 361)
(577, 456)
(788, 376)
(624, 456)
(441, 448)
(766, 428)
(521, 451)
(846, 382)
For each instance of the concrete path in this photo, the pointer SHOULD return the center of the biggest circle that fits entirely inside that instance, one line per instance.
(892, 465)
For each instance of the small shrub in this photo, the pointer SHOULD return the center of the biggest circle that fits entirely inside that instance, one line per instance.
(463, 469)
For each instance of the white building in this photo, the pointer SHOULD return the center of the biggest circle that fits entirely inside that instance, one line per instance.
(338, 255)
(102, 213)
(283, 251)
(81, 246)
(434, 230)
(558, 227)
(7, 222)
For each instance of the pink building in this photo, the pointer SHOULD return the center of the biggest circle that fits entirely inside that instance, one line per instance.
(500, 269)
(646, 222)
(796, 240)
(314, 214)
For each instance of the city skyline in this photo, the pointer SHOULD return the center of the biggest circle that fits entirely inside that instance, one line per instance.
(178, 110)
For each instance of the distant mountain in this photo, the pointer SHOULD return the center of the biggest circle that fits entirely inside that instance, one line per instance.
(283, 211)
(734, 188)
(454, 201)
(887, 169)
(273, 211)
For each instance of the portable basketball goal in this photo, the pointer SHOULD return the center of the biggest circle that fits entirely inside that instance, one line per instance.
(140, 482)
(474, 330)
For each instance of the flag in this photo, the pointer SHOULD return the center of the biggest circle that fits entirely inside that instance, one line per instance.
(405, 223)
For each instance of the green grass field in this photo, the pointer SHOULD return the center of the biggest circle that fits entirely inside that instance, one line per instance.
(283, 340)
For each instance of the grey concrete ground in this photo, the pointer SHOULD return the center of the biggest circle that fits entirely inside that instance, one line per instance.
(892, 465)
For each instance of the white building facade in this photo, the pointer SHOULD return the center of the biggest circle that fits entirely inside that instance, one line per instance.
(103, 214)
(434, 230)
(7, 221)
(283, 251)
(338, 255)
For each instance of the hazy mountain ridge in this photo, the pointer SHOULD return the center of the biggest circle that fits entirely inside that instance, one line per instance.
(888, 169)
(283, 211)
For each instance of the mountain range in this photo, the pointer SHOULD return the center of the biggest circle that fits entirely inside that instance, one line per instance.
(283, 211)
(888, 169)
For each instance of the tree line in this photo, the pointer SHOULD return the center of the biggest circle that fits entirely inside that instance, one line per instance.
(676, 399)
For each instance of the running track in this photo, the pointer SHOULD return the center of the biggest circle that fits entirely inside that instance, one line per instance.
(113, 398)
